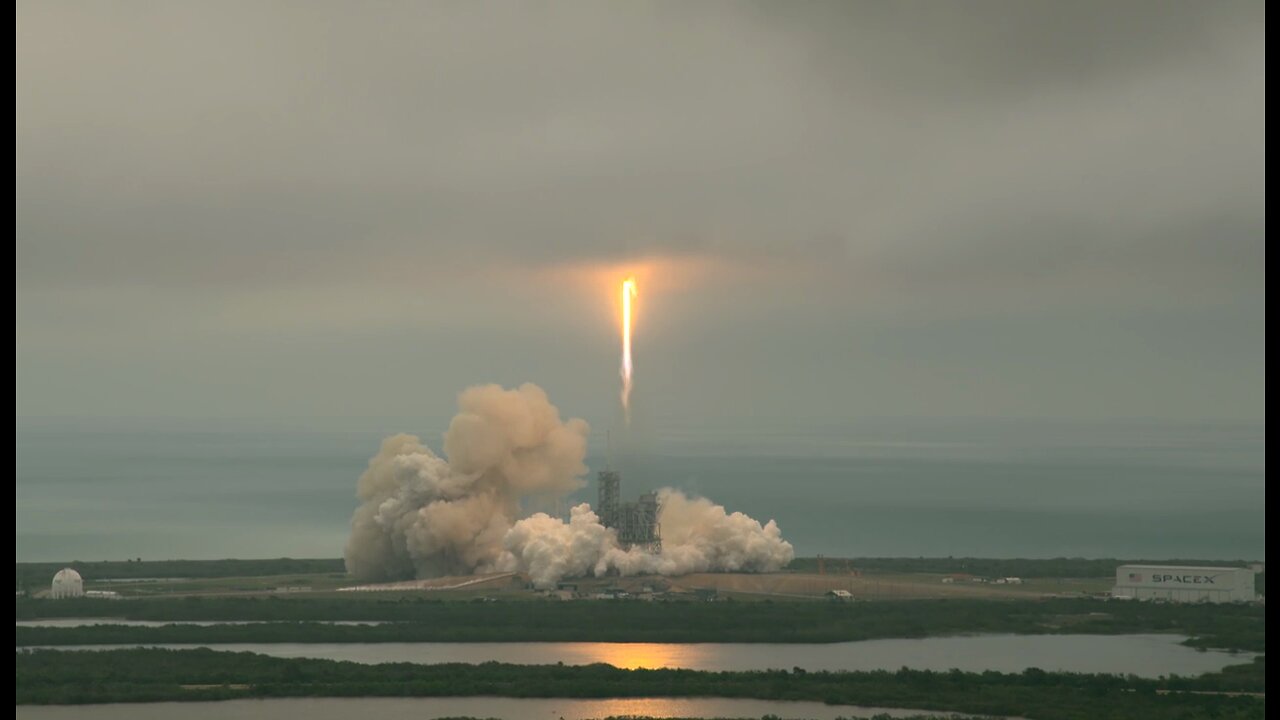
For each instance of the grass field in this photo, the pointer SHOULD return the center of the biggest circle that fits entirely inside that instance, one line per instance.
(886, 586)
(745, 586)
(864, 579)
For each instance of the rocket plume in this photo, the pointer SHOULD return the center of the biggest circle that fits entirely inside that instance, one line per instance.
(628, 292)
(423, 515)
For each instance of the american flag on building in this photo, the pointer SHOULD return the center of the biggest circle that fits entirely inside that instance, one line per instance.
(1135, 577)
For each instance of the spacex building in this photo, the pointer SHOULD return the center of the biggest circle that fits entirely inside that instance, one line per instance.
(1184, 584)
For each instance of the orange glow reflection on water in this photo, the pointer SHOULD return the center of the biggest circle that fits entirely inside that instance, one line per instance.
(644, 707)
(630, 656)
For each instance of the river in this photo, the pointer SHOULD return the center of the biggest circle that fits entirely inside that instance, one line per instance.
(1144, 655)
(84, 622)
(485, 707)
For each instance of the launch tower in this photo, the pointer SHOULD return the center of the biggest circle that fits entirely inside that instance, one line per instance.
(636, 523)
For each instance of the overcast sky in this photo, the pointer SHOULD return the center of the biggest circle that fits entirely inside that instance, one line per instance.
(835, 210)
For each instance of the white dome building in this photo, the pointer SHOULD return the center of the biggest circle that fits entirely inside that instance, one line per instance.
(67, 584)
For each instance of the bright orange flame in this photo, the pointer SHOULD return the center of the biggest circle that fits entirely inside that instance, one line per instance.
(628, 292)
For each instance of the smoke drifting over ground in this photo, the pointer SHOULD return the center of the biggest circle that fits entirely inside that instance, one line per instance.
(422, 515)
(697, 535)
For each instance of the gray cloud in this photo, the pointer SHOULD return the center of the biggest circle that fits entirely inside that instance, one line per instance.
(198, 174)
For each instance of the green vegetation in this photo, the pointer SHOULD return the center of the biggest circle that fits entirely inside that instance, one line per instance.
(418, 619)
(1013, 567)
(240, 585)
(995, 568)
(38, 575)
(150, 675)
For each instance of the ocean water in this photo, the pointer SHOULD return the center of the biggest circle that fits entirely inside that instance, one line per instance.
(168, 489)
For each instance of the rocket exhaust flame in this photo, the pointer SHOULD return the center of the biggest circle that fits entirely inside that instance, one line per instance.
(628, 292)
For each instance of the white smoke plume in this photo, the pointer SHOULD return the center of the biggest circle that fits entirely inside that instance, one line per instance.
(697, 536)
(425, 516)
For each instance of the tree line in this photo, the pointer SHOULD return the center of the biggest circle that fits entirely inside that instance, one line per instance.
(152, 675)
(419, 619)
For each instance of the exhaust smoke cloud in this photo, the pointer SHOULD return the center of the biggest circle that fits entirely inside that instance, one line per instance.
(422, 515)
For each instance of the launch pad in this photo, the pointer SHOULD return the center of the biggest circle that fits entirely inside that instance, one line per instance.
(636, 523)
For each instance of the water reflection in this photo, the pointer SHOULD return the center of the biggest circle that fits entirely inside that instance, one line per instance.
(426, 708)
(85, 622)
(631, 656)
(1143, 655)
